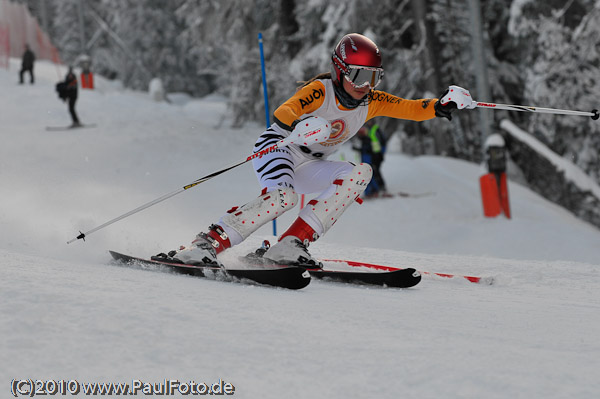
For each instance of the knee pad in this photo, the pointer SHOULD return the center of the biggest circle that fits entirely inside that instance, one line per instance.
(248, 218)
(326, 212)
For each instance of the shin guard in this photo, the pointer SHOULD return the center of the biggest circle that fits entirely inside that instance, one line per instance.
(248, 218)
(325, 212)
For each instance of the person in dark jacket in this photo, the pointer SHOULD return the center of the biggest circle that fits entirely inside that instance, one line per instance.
(372, 149)
(378, 147)
(27, 64)
(71, 95)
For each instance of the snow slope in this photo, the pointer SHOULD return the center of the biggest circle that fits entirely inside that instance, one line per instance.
(67, 312)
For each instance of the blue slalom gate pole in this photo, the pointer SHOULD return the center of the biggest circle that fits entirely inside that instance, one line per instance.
(264, 79)
(266, 95)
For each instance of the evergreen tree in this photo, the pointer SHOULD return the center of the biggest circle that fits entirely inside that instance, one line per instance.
(561, 72)
(66, 27)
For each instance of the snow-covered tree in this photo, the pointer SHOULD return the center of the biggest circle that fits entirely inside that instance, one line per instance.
(66, 27)
(203, 46)
(562, 72)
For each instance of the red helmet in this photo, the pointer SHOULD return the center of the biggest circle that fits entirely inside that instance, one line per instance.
(358, 60)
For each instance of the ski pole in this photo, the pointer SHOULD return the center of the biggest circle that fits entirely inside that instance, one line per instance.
(593, 114)
(315, 131)
(462, 99)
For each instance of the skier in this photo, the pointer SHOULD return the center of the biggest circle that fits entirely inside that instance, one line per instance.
(27, 65)
(346, 98)
(71, 89)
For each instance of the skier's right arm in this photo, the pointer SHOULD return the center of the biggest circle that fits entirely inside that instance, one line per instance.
(306, 100)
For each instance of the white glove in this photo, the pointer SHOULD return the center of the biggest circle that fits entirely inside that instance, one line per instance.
(453, 98)
(459, 96)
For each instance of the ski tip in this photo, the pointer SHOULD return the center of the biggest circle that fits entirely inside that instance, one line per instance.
(415, 278)
(116, 255)
(303, 282)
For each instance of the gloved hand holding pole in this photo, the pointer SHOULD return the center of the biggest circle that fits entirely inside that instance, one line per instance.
(462, 98)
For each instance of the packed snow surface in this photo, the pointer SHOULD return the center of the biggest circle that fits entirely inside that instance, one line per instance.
(68, 313)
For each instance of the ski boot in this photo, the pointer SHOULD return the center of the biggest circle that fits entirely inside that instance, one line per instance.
(292, 248)
(291, 251)
(203, 251)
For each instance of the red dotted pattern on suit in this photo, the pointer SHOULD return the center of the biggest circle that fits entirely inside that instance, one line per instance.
(251, 220)
(336, 202)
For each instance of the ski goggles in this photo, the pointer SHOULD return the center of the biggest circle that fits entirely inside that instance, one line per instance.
(360, 76)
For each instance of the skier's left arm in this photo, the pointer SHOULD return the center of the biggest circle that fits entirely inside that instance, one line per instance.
(385, 104)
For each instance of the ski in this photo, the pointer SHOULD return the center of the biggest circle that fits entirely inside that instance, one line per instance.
(398, 278)
(290, 277)
(65, 128)
(472, 279)
(401, 278)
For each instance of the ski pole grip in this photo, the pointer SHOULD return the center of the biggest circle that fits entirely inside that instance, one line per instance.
(596, 114)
